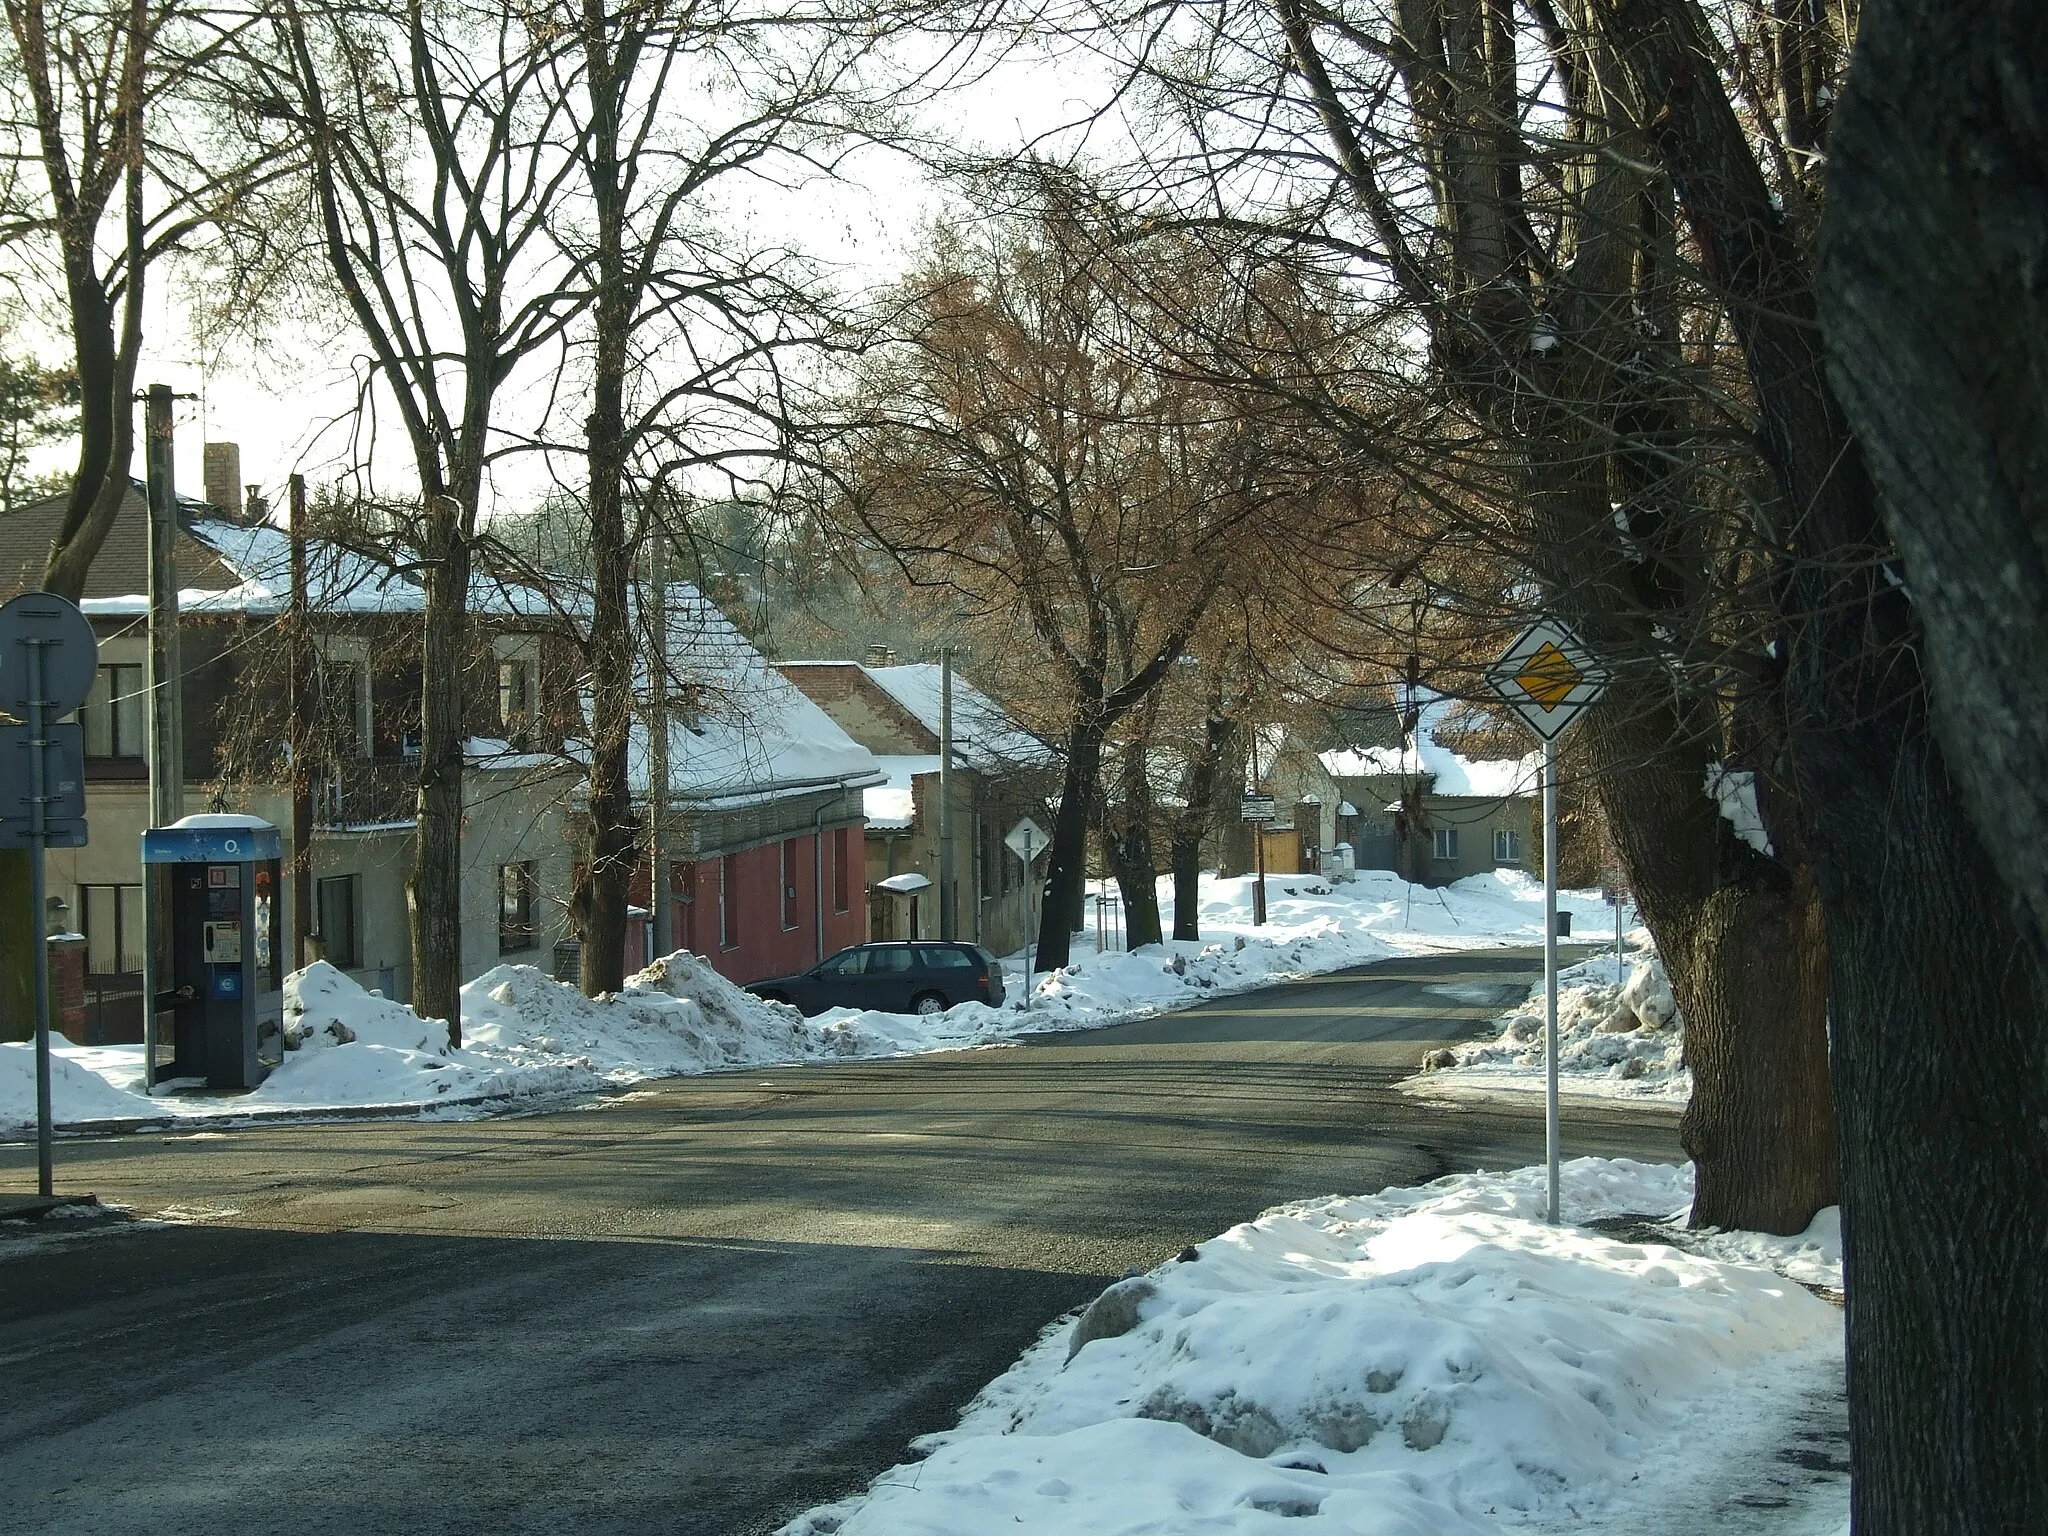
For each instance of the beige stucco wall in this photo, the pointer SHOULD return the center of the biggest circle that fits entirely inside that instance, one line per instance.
(512, 815)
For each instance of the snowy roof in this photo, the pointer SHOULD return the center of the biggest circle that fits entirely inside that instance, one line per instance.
(892, 806)
(1452, 774)
(338, 580)
(984, 738)
(754, 734)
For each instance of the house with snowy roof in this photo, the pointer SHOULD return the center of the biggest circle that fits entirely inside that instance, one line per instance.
(1001, 773)
(1412, 804)
(234, 593)
(762, 819)
(763, 829)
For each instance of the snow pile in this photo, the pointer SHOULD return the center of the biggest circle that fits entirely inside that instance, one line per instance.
(1624, 1041)
(524, 1034)
(1433, 1360)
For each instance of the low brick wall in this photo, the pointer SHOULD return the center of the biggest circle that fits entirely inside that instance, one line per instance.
(67, 987)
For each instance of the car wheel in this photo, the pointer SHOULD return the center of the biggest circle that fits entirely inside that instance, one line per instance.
(773, 997)
(928, 1004)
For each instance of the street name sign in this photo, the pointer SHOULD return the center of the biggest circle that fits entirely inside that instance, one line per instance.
(1547, 676)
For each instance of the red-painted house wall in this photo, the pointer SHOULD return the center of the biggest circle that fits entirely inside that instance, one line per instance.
(761, 946)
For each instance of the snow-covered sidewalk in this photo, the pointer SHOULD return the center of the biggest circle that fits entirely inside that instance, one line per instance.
(528, 1038)
(1421, 1362)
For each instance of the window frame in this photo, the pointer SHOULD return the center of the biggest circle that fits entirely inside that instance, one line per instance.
(126, 898)
(1507, 846)
(352, 897)
(1444, 842)
(792, 908)
(842, 895)
(728, 901)
(97, 708)
(523, 932)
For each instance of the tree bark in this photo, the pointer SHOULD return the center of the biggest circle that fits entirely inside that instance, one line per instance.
(611, 850)
(1127, 846)
(1191, 827)
(1940, 1063)
(1066, 859)
(1938, 331)
(434, 891)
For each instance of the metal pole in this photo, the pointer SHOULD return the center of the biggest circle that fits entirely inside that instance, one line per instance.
(1030, 917)
(1258, 845)
(661, 902)
(302, 733)
(166, 726)
(1619, 898)
(947, 922)
(38, 830)
(1550, 1127)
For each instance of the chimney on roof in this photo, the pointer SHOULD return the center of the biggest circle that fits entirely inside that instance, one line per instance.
(879, 656)
(255, 507)
(220, 466)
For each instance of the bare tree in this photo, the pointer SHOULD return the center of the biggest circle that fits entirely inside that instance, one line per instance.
(434, 160)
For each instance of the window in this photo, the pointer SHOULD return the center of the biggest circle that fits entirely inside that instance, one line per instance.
(334, 909)
(939, 958)
(851, 963)
(792, 858)
(110, 917)
(895, 960)
(341, 705)
(729, 901)
(114, 713)
(516, 884)
(1447, 843)
(515, 703)
(840, 840)
(985, 859)
(1507, 846)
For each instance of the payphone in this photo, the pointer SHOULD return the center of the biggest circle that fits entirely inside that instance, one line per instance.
(220, 983)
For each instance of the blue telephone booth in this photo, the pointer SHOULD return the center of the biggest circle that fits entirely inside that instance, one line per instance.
(222, 994)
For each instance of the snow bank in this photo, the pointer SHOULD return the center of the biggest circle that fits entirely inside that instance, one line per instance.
(1433, 1360)
(1624, 1041)
(526, 1035)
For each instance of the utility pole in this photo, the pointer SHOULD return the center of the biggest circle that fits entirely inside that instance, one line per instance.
(302, 734)
(947, 924)
(166, 725)
(1258, 845)
(661, 898)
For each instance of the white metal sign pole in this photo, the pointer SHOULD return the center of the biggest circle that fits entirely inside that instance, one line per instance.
(39, 922)
(1030, 919)
(1550, 1127)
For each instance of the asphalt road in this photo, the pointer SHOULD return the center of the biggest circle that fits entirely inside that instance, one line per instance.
(700, 1308)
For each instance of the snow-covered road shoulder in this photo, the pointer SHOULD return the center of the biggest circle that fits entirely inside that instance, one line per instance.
(1433, 1360)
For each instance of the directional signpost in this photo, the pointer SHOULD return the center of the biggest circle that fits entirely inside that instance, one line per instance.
(1547, 676)
(1027, 841)
(48, 658)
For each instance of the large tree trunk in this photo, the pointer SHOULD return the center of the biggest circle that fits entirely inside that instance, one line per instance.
(611, 852)
(1940, 1061)
(1066, 861)
(1740, 935)
(1939, 332)
(1938, 328)
(1127, 846)
(434, 891)
(1191, 827)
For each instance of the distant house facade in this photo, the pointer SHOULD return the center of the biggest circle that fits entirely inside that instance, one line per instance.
(1000, 774)
(764, 836)
(1419, 809)
(234, 582)
(763, 831)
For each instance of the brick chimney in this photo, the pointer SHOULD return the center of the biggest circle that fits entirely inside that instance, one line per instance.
(880, 656)
(221, 470)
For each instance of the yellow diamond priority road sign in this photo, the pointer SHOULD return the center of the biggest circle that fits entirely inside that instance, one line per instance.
(1547, 676)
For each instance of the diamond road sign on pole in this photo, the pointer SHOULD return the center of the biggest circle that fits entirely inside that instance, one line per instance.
(1547, 676)
(1026, 840)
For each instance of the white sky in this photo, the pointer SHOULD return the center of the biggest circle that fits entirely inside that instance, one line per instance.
(286, 405)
